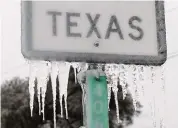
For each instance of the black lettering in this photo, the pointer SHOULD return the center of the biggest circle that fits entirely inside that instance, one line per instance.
(140, 36)
(113, 20)
(93, 25)
(54, 21)
(72, 24)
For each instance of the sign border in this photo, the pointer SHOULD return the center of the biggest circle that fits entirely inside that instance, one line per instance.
(29, 53)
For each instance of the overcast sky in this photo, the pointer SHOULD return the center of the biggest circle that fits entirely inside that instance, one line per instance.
(13, 63)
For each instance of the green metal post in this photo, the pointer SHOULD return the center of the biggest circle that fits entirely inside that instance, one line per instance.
(96, 105)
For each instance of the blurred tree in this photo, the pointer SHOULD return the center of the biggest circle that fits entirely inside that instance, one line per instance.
(15, 111)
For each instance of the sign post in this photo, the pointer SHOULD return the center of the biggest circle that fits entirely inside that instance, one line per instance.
(97, 102)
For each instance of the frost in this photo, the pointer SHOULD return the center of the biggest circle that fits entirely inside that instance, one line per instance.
(39, 70)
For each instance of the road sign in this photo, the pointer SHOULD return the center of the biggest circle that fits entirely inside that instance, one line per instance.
(96, 102)
(130, 32)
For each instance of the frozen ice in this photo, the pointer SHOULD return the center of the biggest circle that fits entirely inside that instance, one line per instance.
(45, 69)
(141, 81)
(134, 90)
(32, 77)
(112, 74)
(75, 66)
(79, 66)
(123, 79)
(42, 79)
(54, 74)
(63, 74)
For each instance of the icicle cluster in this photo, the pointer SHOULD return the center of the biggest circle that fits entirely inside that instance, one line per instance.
(140, 79)
(137, 79)
(40, 70)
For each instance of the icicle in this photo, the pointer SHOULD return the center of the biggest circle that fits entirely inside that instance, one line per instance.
(140, 82)
(108, 75)
(157, 87)
(32, 71)
(161, 100)
(162, 70)
(42, 79)
(153, 74)
(83, 87)
(115, 90)
(122, 78)
(134, 86)
(75, 72)
(54, 73)
(61, 105)
(39, 95)
(141, 78)
(75, 65)
(82, 67)
(64, 68)
(39, 83)
(155, 99)
(162, 121)
(109, 95)
(65, 101)
(153, 114)
(45, 78)
(114, 78)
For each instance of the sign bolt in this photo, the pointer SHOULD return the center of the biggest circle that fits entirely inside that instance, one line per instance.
(96, 44)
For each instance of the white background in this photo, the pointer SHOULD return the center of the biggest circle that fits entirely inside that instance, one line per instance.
(13, 63)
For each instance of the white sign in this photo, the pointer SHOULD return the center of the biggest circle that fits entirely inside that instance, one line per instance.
(109, 32)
